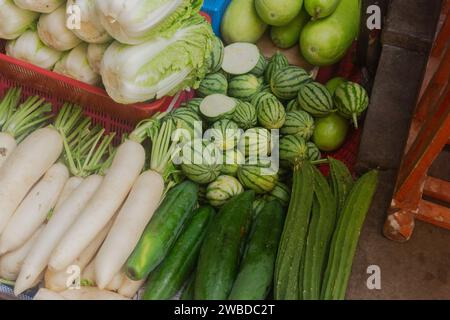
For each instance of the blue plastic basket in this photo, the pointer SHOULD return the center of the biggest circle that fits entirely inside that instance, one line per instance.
(215, 9)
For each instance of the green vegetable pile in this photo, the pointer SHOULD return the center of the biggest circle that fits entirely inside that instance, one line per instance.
(323, 29)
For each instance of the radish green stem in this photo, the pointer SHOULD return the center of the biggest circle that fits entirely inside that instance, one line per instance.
(30, 115)
(9, 104)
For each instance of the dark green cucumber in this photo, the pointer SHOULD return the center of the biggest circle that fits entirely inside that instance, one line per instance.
(346, 236)
(341, 182)
(188, 290)
(169, 277)
(162, 230)
(220, 254)
(321, 228)
(293, 239)
(255, 277)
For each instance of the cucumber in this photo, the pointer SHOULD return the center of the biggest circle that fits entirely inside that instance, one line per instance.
(320, 231)
(162, 230)
(245, 115)
(217, 106)
(169, 277)
(188, 291)
(319, 9)
(213, 83)
(299, 122)
(346, 236)
(341, 182)
(245, 86)
(315, 99)
(240, 58)
(271, 114)
(255, 277)
(223, 189)
(293, 240)
(241, 22)
(325, 41)
(351, 101)
(288, 35)
(220, 254)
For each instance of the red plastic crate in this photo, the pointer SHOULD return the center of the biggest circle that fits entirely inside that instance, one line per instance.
(58, 89)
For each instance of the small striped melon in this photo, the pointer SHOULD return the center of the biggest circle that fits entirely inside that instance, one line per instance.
(256, 178)
(263, 95)
(224, 133)
(223, 189)
(244, 87)
(213, 83)
(255, 143)
(293, 105)
(351, 101)
(315, 99)
(299, 122)
(201, 161)
(245, 115)
(286, 82)
(214, 61)
(277, 62)
(281, 192)
(260, 67)
(293, 149)
(271, 114)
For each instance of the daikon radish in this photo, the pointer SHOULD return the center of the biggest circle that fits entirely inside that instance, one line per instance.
(116, 282)
(33, 156)
(7, 107)
(7, 145)
(45, 294)
(34, 209)
(69, 187)
(135, 214)
(125, 169)
(55, 229)
(89, 293)
(24, 167)
(129, 287)
(88, 275)
(11, 262)
(58, 280)
(17, 123)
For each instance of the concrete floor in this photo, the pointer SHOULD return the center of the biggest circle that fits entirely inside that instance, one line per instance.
(418, 269)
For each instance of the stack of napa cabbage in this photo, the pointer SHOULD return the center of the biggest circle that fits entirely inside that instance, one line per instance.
(138, 49)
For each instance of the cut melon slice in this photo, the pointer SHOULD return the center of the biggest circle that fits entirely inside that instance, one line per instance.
(240, 58)
(217, 106)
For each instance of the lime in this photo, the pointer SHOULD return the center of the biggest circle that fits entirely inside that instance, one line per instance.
(278, 12)
(330, 132)
(334, 83)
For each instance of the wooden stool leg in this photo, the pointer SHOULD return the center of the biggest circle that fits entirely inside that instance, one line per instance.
(429, 143)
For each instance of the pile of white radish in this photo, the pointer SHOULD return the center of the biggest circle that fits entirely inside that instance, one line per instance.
(72, 208)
